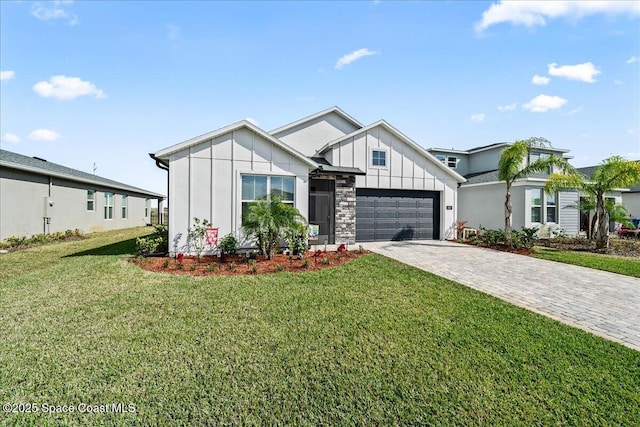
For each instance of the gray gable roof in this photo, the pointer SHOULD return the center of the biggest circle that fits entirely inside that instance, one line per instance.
(40, 166)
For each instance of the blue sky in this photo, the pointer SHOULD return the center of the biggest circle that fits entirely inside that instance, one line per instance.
(108, 82)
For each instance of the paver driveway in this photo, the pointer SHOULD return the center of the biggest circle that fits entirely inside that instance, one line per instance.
(606, 304)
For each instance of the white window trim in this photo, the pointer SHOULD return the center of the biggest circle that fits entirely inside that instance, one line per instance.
(386, 158)
(543, 207)
(457, 160)
(91, 200)
(107, 205)
(241, 200)
(124, 210)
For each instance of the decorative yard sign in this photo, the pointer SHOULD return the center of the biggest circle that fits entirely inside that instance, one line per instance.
(314, 230)
(212, 236)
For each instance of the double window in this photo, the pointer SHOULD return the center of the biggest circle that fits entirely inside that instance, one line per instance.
(543, 210)
(91, 200)
(450, 161)
(262, 187)
(108, 205)
(124, 207)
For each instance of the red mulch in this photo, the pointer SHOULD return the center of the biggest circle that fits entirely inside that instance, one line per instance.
(238, 265)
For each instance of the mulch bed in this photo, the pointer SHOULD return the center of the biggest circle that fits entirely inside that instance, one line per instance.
(239, 265)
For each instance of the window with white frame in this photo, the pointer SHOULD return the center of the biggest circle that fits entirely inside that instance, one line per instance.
(124, 206)
(91, 200)
(262, 187)
(441, 158)
(147, 204)
(551, 207)
(108, 205)
(544, 206)
(378, 158)
(536, 205)
(452, 162)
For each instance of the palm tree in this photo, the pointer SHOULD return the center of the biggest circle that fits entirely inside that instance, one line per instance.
(514, 165)
(268, 221)
(614, 172)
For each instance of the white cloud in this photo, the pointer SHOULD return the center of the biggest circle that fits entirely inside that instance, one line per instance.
(544, 103)
(540, 80)
(46, 13)
(583, 72)
(63, 87)
(632, 60)
(354, 56)
(509, 107)
(44, 135)
(9, 137)
(532, 13)
(7, 75)
(478, 117)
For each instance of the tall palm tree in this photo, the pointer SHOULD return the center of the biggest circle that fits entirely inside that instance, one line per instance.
(514, 165)
(613, 173)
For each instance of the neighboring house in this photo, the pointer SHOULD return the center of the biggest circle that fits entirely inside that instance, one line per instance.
(357, 183)
(631, 200)
(481, 197)
(37, 196)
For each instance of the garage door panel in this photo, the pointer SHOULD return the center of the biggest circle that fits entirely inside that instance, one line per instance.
(396, 214)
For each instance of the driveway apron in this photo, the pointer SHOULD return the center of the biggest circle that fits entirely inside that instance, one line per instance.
(605, 304)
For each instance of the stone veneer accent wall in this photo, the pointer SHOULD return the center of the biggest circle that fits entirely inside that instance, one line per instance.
(345, 222)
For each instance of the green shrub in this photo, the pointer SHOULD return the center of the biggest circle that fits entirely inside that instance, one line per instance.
(155, 242)
(228, 245)
(491, 237)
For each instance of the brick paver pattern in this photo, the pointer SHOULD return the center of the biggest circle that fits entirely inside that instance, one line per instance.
(605, 304)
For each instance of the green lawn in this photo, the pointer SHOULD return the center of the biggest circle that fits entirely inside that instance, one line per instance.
(615, 264)
(373, 342)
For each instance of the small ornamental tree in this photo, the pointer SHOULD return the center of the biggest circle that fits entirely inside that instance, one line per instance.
(268, 221)
(514, 165)
(198, 236)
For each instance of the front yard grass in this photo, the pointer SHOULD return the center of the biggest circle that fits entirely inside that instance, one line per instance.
(612, 263)
(373, 342)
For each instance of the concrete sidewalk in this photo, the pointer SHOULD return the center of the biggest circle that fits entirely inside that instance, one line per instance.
(605, 304)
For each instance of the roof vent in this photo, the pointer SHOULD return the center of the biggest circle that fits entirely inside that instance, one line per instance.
(39, 158)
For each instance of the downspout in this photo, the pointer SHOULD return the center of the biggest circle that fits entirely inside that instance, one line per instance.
(162, 166)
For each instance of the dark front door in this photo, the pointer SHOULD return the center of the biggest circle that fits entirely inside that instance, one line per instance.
(321, 208)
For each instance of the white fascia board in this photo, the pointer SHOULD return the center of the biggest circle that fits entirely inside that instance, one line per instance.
(446, 150)
(165, 153)
(404, 138)
(73, 178)
(518, 183)
(334, 109)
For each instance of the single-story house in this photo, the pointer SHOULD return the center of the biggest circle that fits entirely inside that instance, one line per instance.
(481, 197)
(357, 183)
(37, 196)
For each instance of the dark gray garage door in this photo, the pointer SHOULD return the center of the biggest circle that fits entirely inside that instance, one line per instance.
(397, 215)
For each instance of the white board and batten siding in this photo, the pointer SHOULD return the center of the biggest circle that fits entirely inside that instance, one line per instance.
(205, 181)
(407, 169)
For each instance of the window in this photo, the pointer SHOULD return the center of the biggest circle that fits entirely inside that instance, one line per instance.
(260, 187)
(146, 207)
(551, 208)
(108, 205)
(543, 210)
(441, 158)
(124, 207)
(536, 155)
(536, 205)
(91, 200)
(379, 158)
(452, 162)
